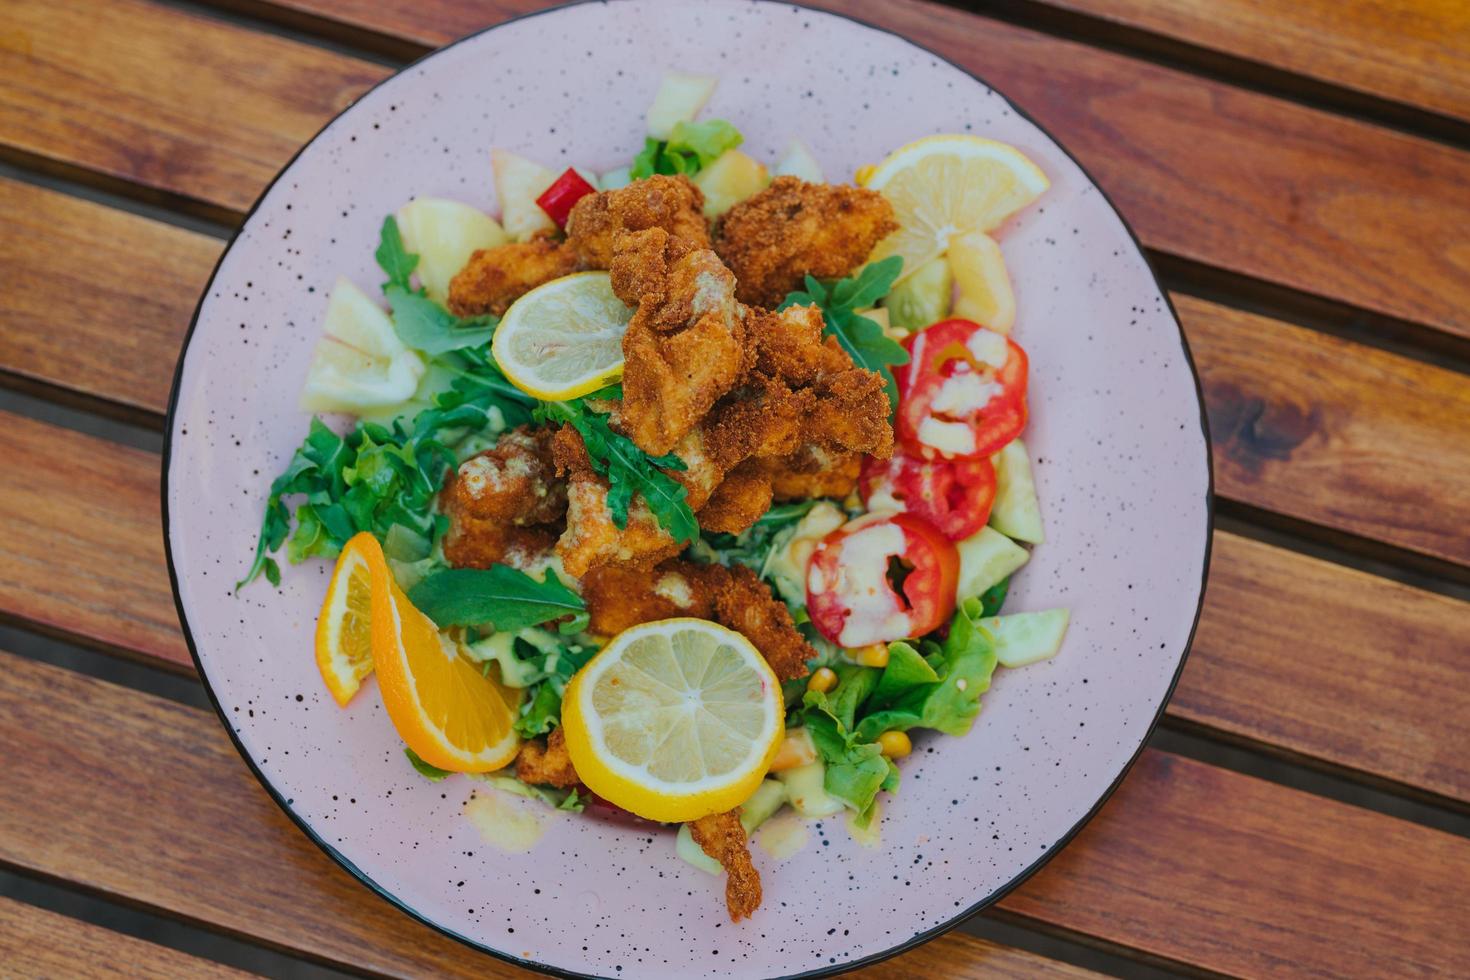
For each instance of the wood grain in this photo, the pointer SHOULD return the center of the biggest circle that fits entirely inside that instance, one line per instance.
(190, 833)
(1416, 53)
(1279, 629)
(1333, 432)
(82, 548)
(1195, 864)
(120, 88)
(96, 300)
(1206, 172)
(39, 945)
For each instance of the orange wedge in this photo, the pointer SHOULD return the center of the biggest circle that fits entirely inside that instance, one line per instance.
(447, 711)
(344, 638)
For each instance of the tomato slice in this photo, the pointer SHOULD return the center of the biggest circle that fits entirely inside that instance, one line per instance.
(882, 577)
(954, 495)
(962, 394)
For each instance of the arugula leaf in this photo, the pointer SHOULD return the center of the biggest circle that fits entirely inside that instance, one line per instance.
(393, 258)
(691, 147)
(862, 338)
(752, 547)
(500, 595)
(432, 773)
(629, 470)
(420, 322)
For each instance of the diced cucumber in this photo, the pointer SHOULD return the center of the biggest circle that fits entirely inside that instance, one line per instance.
(1024, 638)
(1016, 512)
(808, 795)
(730, 179)
(692, 853)
(615, 179)
(921, 298)
(985, 559)
(679, 99)
(763, 804)
(798, 162)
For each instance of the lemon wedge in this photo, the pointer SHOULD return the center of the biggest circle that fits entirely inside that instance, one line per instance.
(359, 363)
(674, 720)
(944, 186)
(344, 638)
(564, 338)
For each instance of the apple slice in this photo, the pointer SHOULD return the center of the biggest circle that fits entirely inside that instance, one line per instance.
(359, 364)
(679, 99)
(732, 178)
(518, 182)
(444, 234)
(798, 162)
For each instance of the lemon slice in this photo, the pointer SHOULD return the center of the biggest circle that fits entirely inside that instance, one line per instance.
(674, 720)
(565, 338)
(446, 710)
(359, 363)
(985, 294)
(344, 637)
(943, 186)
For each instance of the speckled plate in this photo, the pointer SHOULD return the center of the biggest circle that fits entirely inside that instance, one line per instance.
(1116, 428)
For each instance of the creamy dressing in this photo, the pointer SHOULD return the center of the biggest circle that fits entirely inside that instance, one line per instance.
(675, 588)
(988, 347)
(783, 835)
(869, 836)
(862, 581)
(962, 393)
(510, 823)
(957, 438)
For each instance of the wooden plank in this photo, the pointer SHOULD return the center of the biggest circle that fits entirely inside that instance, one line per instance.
(191, 834)
(1321, 429)
(35, 943)
(1415, 53)
(1333, 432)
(1194, 864)
(96, 300)
(120, 88)
(1206, 172)
(82, 546)
(1278, 628)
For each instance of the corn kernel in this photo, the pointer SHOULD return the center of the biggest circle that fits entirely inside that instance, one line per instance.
(823, 680)
(872, 655)
(895, 745)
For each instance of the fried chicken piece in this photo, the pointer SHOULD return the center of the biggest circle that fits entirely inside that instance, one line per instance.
(739, 501)
(793, 229)
(702, 473)
(494, 278)
(789, 345)
(747, 606)
(671, 203)
(548, 764)
(722, 837)
(813, 472)
(592, 539)
(475, 543)
(685, 347)
(621, 596)
(513, 482)
(763, 417)
(852, 415)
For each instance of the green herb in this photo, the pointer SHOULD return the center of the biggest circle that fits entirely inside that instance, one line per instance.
(420, 322)
(541, 712)
(752, 547)
(504, 597)
(552, 797)
(432, 773)
(862, 338)
(994, 597)
(691, 147)
(628, 469)
(540, 662)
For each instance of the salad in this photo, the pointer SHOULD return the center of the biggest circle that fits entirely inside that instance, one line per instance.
(690, 491)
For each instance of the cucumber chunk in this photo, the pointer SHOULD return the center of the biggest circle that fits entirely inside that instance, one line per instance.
(1024, 638)
(1016, 513)
(761, 806)
(691, 853)
(922, 298)
(808, 795)
(985, 559)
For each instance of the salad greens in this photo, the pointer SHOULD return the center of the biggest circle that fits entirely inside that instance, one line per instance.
(689, 149)
(420, 322)
(539, 661)
(506, 598)
(432, 773)
(862, 338)
(753, 546)
(629, 470)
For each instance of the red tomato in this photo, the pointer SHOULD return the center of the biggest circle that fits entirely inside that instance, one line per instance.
(566, 190)
(882, 577)
(954, 495)
(962, 394)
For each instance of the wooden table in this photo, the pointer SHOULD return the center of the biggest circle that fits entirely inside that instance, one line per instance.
(1301, 173)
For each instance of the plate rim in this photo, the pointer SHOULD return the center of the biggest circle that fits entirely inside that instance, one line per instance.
(918, 939)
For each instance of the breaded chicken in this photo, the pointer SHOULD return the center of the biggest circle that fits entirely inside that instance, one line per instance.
(747, 606)
(671, 203)
(722, 837)
(475, 543)
(591, 539)
(763, 417)
(622, 596)
(494, 278)
(852, 415)
(546, 764)
(812, 472)
(514, 481)
(793, 229)
(685, 346)
(739, 501)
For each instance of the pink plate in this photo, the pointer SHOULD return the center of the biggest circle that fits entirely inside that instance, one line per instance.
(1116, 428)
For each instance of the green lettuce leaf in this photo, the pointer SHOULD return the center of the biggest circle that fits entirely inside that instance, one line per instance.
(691, 147)
(432, 773)
(503, 597)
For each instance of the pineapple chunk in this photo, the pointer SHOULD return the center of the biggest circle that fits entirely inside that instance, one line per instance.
(679, 99)
(444, 234)
(985, 294)
(729, 180)
(798, 162)
(359, 363)
(518, 182)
